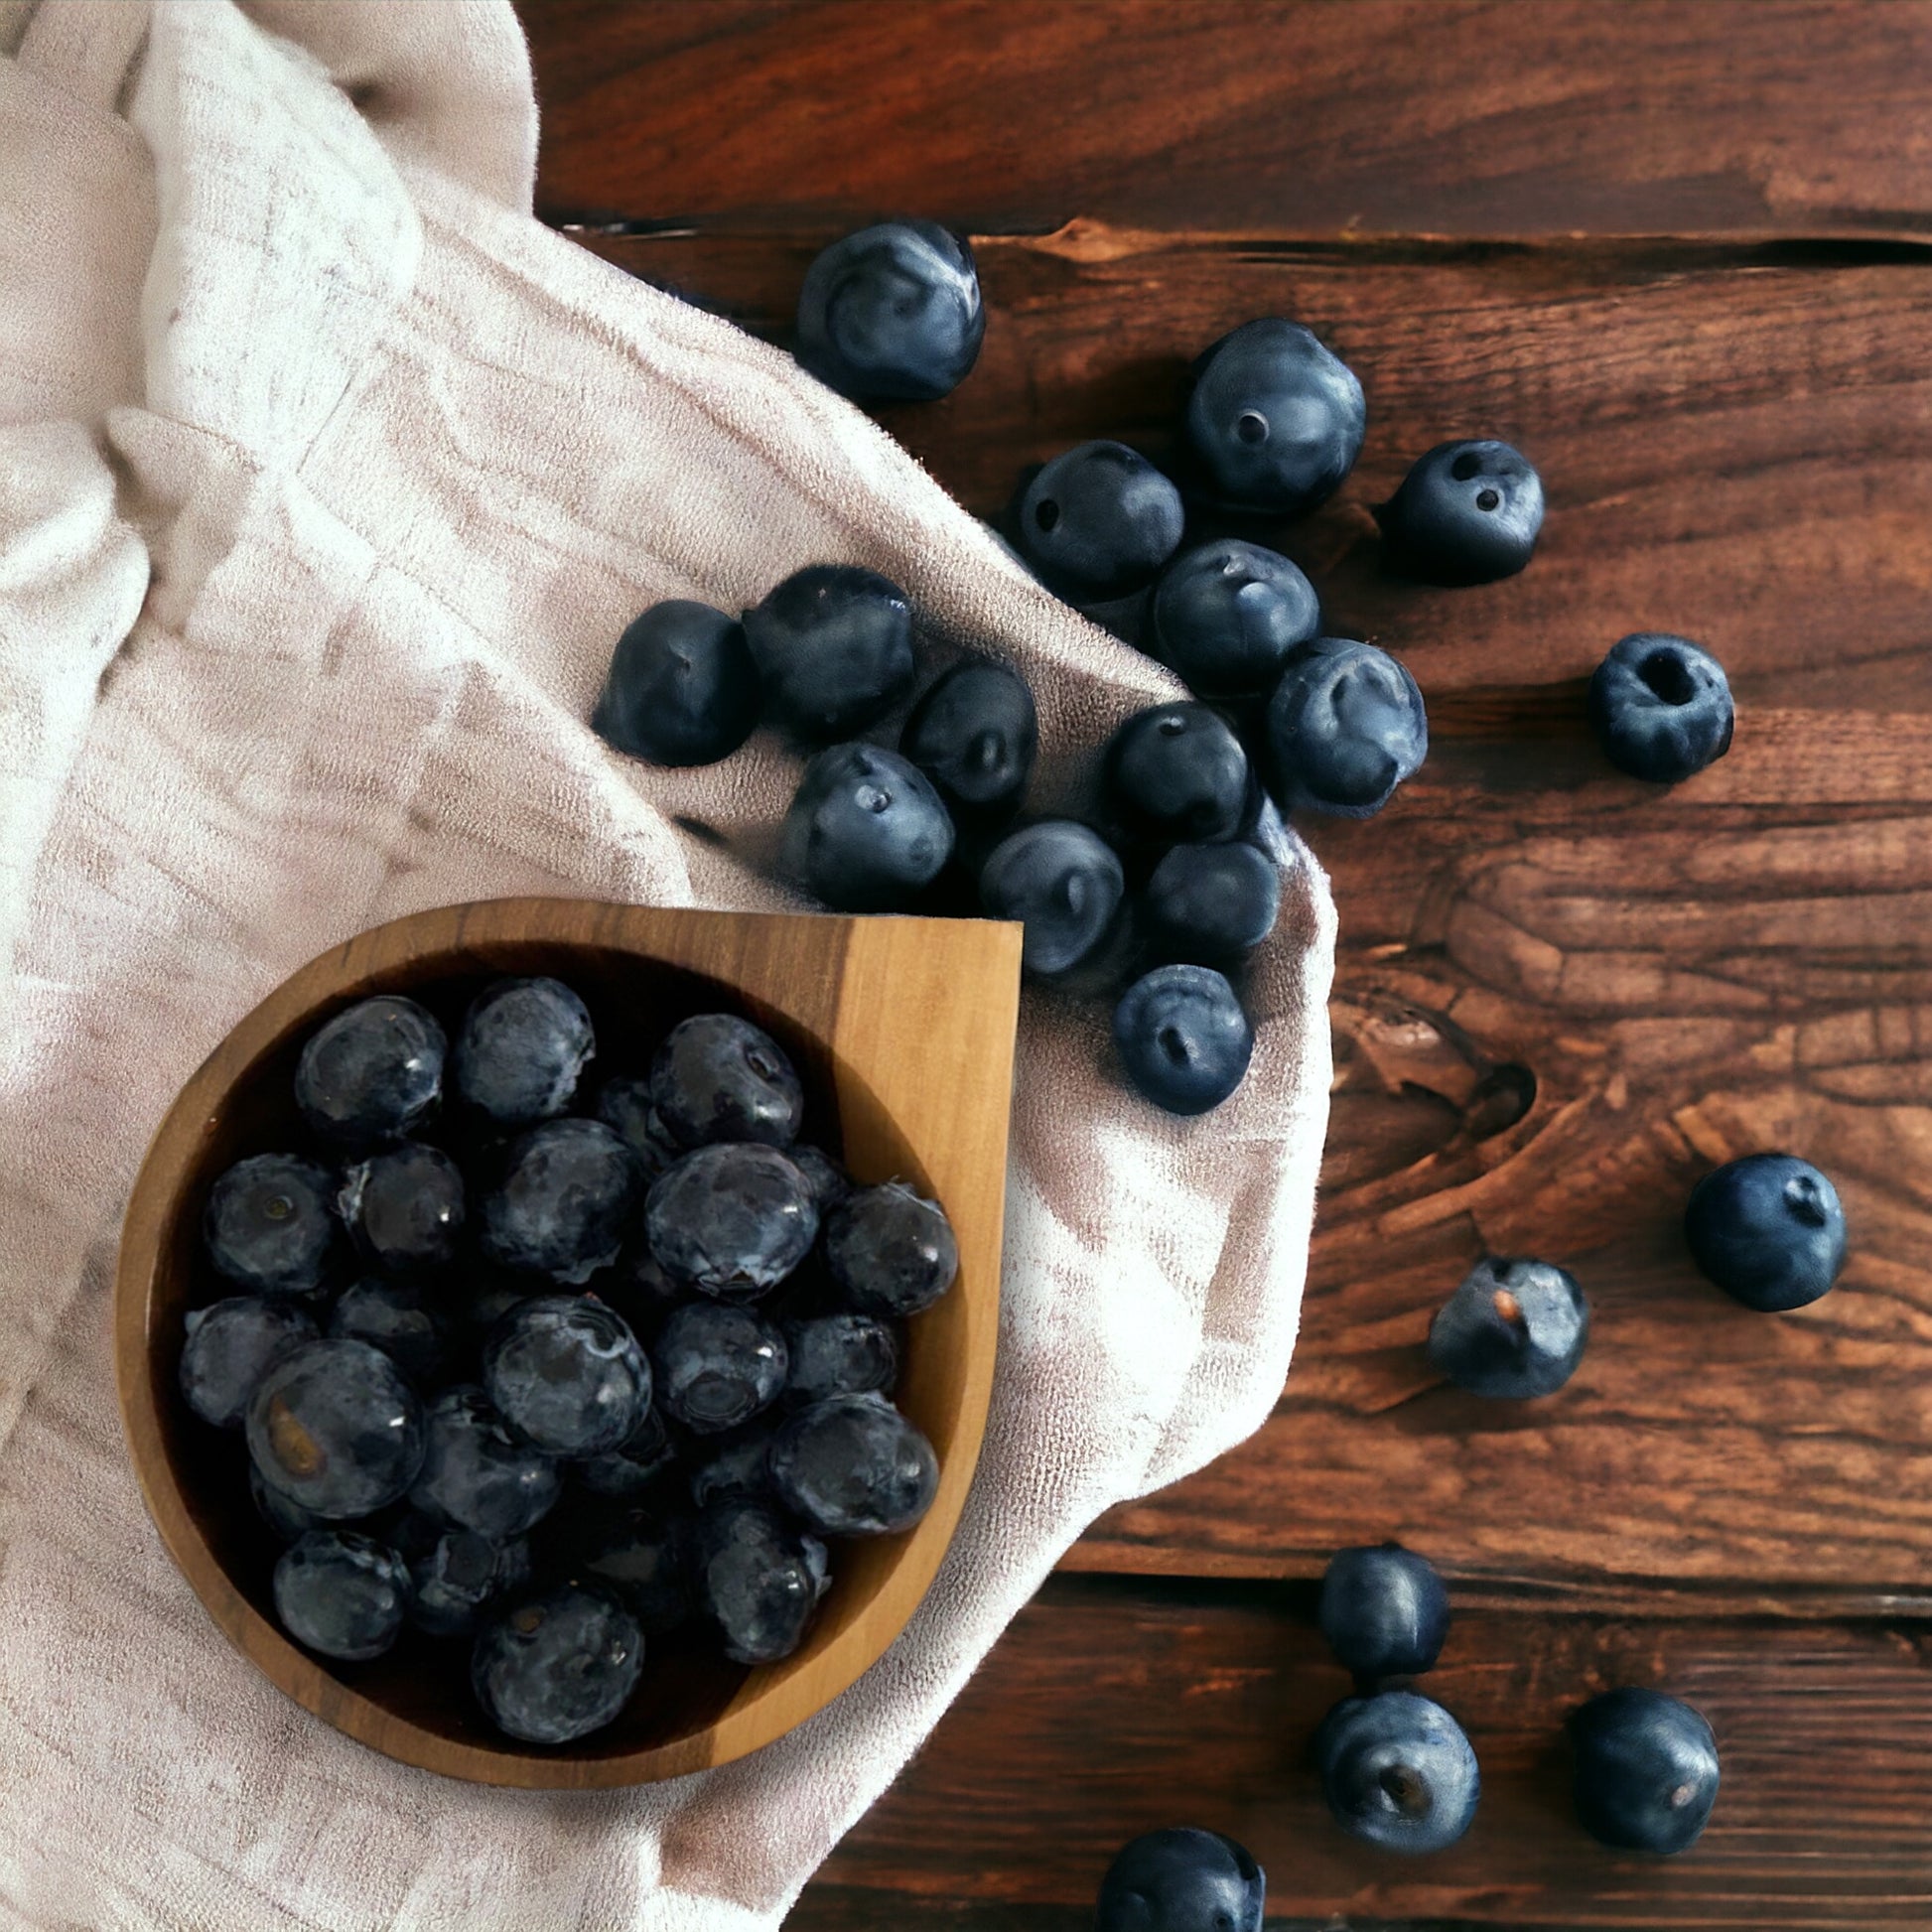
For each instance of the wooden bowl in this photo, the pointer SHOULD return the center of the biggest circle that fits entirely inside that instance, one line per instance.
(903, 1032)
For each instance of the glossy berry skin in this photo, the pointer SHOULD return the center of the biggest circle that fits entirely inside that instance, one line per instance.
(1097, 521)
(830, 1184)
(834, 645)
(521, 1049)
(643, 1459)
(642, 1559)
(853, 1466)
(892, 313)
(866, 832)
(333, 1427)
(477, 1476)
(716, 1366)
(230, 1347)
(399, 1318)
(738, 1467)
(372, 1074)
(557, 1665)
(626, 1104)
(718, 1078)
(1384, 1611)
(342, 1594)
(270, 1225)
(1646, 1772)
(1466, 513)
(682, 687)
(1661, 707)
(840, 1354)
(1769, 1230)
(760, 1580)
(733, 1219)
(1210, 903)
(1225, 616)
(1512, 1328)
(975, 734)
(1181, 1880)
(1176, 771)
(891, 1251)
(1063, 882)
(1346, 725)
(567, 1375)
(456, 1576)
(567, 1199)
(1183, 1039)
(1398, 1771)
(289, 1521)
(404, 1209)
(1276, 420)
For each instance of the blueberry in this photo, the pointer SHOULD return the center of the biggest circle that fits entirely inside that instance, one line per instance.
(1398, 1771)
(682, 688)
(1661, 707)
(1097, 521)
(521, 1049)
(372, 1074)
(1181, 1880)
(1384, 1611)
(891, 313)
(760, 1580)
(1226, 615)
(1183, 1038)
(891, 1250)
(558, 1666)
(1345, 725)
(1513, 1329)
(853, 1466)
(975, 734)
(230, 1346)
(288, 1520)
(404, 1208)
(1646, 1770)
(333, 1427)
(734, 1220)
(638, 1463)
(477, 1476)
(567, 1375)
(718, 1078)
(1207, 903)
(399, 1318)
(639, 1287)
(626, 1104)
(1466, 513)
(642, 1559)
(1769, 1230)
(840, 1354)
(1274, 418)
(1063, 882)
(1176, 771)
(567, 1198)
(867, 832)
(718, 1366)
(834, 645)
(270, 1225)
(829, 1182)
(492, 1297)
(455, 1574)
(737, 1466)
(342, 1594)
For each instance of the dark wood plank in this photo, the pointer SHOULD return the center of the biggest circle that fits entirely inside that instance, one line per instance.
(1387, 117)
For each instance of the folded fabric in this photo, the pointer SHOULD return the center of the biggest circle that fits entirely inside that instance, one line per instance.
(328, 479)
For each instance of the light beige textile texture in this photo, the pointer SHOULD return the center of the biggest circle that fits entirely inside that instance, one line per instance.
(328, 477)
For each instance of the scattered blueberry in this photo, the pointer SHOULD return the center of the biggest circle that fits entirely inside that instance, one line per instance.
(867, 832)
(853, 1466)
(626, 1104)
(372, 1074)
(1513, 1329)
(399, 1318)
(1182, 1881)
(566, 1374)
(1661, 707)
(1062, 881)
(1398, 1771)
(1176, 771)
(734, 1220)
(1226, 615)
(840, 1354)
(1097, 521)
(342, 1594)
(334, 1428)
(567, 1199)
(891, 313)
(404, 1208)
(718, 1366)
(642, 1559)
(738, 1468)
(558, 1666)
(834, 646)
(638, 1463)
(1466, 513)
(1769, 1230)
(682, 688)
(1183, 1038)
(829, 1182)
(1646, 1770)
(718, 1078)
(1209, 903)
(270, 1225)
(1384, 1611)
(230, 1347)
(288, 1520)
(760, 1580)
(521, 1049)
(1345, 725)
(1274, 418)
(455, 1574)
(891, 1250)
(975, 734)
(477, 1476)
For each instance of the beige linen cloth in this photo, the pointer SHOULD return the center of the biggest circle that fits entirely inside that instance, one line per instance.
(328, 477)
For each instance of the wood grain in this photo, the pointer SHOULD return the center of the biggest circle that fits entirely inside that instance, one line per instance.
(903, 1030)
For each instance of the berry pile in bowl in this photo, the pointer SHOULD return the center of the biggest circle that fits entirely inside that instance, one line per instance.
(555, 1337)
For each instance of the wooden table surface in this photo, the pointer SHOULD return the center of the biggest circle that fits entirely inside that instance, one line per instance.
(1676, 251)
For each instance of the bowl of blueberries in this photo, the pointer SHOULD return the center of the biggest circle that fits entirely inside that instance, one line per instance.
(555, 1337)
